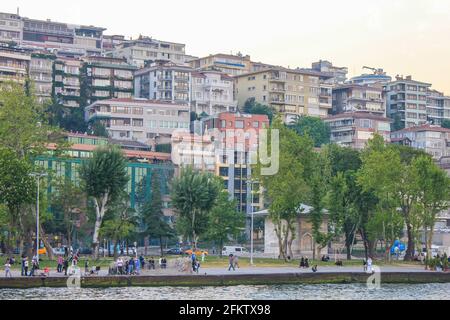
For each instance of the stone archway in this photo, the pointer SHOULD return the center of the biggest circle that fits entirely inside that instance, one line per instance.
(307, 243)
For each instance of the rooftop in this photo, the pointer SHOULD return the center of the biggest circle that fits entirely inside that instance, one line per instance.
(424, 127)
(358, 115)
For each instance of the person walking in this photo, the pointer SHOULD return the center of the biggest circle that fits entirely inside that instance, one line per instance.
(65, 266)
(8, 268)
(86, 266)
(203, 256)
(142, 262)
(120, 266)
(236, 261)
(25, 267)
(60, 264)
(369, 265)
(137, 266)
(131, 266)
(194, 261)
(231, 264)
(34, 266)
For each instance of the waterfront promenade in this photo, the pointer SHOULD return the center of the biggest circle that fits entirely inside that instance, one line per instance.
(223, 277)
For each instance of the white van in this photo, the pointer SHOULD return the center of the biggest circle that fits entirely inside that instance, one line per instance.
(227, 250)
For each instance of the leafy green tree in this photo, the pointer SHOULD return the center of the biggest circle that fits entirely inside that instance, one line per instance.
(104, 177)
(17, 193)
(253, 107)
(69, 201)
(393, 182)
(314, 127)
(194, 194)
(284, 209)
(97, 128)
(397, 124)
(120, 221)
(445, 123)
(225, 221)
(23, 124)
(152, 213)
(434, 194)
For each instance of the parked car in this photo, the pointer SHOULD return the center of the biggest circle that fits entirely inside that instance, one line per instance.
(227, 250)
(58, 251)
(85, 251)
(174, 251)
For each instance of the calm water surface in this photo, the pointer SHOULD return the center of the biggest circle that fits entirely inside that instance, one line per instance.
(280, 292)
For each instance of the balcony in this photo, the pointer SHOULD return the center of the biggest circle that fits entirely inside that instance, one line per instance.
(164, 88)
(182, 88)
(165, 77)
(277, 79)
(182, 78)
(278, 89)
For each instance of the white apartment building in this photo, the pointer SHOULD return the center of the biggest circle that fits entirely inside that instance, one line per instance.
(407, 99)
(146, 121)
(432, 139)
(41, 73)
(212, 92)
(164, 81)
(10, 27)
(145, 50)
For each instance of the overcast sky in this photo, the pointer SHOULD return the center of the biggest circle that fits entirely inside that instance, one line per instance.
(407, 37)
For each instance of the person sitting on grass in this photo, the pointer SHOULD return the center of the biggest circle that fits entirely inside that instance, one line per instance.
(314, 268)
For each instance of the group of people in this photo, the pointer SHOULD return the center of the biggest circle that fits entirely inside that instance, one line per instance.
(134, 265)
(66, 261)
(304, 262)
(233, 262)
(26, 266)
(368, 265)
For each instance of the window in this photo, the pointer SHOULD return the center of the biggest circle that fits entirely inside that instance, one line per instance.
(255, 124)
(239, 124)
(223, 124)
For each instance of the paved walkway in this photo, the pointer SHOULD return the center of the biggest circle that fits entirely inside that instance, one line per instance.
(253, 270)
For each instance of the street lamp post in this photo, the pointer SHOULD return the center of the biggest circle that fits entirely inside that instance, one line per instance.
(37, 175)
(252, 216)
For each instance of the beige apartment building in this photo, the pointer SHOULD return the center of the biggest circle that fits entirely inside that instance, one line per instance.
(231, 64)
(14, 64)
(291, 92)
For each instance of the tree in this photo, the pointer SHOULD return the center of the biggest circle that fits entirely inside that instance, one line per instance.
(23, 125)
(153, 217)
(315, 127)
(398, 124)
(68, 200)
(104, 177)
(253, 107)
(17, 194)
(120, 221)
(193, 196)
(345, 218)
(295, 156)
(224, 221)
(394, 184)
(445, 123)
(434, 194)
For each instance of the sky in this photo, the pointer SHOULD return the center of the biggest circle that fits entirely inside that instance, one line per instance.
(404, 37)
